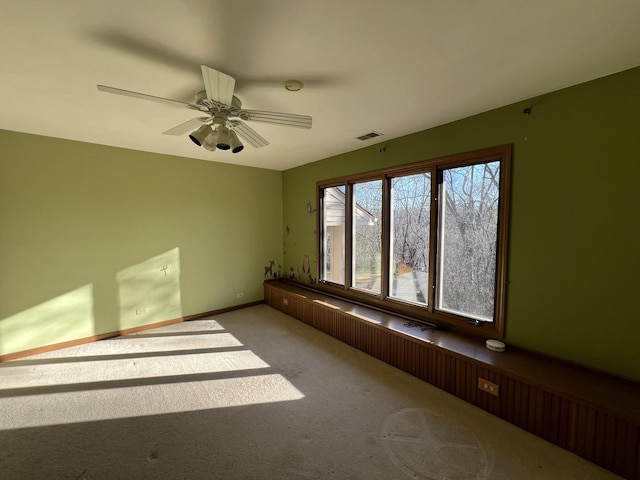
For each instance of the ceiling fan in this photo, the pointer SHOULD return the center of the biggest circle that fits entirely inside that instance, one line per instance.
(225, 118)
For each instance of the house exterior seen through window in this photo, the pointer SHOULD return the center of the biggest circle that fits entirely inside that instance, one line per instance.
(427, 239)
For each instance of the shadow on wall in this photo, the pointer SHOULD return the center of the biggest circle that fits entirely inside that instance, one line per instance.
(67, 317)
(149, 291)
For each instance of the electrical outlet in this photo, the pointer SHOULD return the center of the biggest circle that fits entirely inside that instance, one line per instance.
(488, 386)
(240, 294)
(142, 311)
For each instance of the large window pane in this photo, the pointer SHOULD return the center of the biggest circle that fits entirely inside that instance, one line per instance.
(333, 229)
(410, 224)
(427, 239)
(367, 235)
(468, 240)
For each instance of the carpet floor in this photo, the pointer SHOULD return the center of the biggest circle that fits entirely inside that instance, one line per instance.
(250, 394)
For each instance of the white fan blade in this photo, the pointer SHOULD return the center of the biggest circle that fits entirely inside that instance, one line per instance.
(248, 134)
(144, 96)
(219, 86)
(187, 126)
(289, 119)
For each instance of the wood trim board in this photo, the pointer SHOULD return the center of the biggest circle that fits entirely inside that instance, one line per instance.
(590, 413)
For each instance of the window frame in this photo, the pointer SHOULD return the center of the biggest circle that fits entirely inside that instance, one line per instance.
(383, 301)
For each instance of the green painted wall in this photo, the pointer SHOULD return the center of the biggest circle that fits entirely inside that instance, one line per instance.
(85, 231)
(574, 256)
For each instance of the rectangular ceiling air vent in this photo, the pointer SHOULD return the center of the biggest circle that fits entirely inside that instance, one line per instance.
(368, 136)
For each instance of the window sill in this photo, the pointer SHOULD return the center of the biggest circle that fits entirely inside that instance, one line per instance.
(556, 376)
(392, 307)
(592, 414)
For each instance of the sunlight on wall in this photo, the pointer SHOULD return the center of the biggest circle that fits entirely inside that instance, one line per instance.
(190, 366)
(67, 317)
(149, 291)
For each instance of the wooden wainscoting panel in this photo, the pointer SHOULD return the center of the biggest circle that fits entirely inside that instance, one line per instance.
(625, 458)
(604, 429)
(584, 429)
(607, 426)
(536, 411)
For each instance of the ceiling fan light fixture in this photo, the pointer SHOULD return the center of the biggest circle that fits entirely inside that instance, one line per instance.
(224, 138)
(236, 144)
(223, 126)
(211, 141)
(198, 137)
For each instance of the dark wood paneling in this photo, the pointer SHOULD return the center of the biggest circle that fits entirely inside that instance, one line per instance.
(603, 430)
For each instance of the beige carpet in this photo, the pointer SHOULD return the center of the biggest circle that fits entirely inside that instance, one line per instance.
(250, 394)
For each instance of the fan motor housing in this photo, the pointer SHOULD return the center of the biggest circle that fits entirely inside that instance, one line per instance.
(201, 96)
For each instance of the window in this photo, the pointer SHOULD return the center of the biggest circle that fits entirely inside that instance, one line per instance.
(468, 218)
(426, 239)
(367, 235)
(333, 228)
(410, 231)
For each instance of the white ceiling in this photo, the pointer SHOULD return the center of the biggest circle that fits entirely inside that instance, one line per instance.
(394, 66)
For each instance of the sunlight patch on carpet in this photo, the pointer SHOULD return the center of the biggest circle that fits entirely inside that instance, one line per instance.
(136, 401)
(77, 373)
